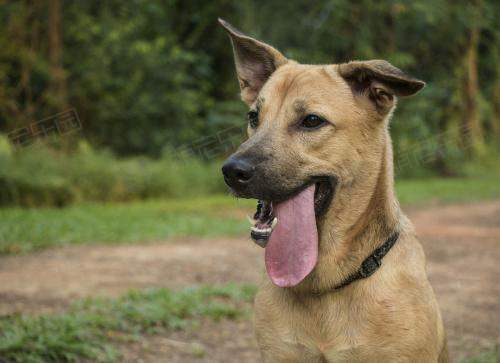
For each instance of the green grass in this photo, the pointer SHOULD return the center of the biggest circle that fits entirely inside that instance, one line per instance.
(446, 190)
(92, 327)
(24, 230)
(489, 357)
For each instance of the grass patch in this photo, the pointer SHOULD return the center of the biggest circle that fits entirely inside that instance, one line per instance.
(24, 230)
(89, 329)
(446, 190)
(489, 357)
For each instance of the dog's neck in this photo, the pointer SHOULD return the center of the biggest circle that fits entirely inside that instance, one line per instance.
(363, 214)
(366, 206)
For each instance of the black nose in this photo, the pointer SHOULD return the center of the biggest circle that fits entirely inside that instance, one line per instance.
(237, 172)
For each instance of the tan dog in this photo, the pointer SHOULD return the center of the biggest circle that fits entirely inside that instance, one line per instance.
(319, 158)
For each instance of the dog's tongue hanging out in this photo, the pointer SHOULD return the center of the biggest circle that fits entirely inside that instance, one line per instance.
(292, 250)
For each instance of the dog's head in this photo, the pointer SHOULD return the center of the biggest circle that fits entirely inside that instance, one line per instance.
(307, 124)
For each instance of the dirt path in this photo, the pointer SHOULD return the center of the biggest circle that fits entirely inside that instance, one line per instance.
(462, 243)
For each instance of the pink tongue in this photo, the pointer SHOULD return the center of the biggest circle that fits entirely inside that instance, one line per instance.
(292, 250)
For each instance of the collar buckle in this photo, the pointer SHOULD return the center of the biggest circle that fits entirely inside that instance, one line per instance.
(369, 266)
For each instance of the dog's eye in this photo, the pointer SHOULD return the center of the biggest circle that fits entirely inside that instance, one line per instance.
(311, 122)
(253, 119)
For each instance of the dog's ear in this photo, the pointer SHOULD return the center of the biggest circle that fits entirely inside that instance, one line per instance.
(380, 80)
(255, 62)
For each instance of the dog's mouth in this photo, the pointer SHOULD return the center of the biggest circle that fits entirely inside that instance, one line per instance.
(264, 220)
(287, 229)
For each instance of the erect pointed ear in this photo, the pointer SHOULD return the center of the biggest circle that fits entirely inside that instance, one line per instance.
(380, 80)
(255, 62)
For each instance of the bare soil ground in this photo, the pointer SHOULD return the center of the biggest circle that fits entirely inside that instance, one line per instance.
(462, 243)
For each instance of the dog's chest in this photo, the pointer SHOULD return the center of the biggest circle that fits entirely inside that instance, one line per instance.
(331, 327)
(331, 331)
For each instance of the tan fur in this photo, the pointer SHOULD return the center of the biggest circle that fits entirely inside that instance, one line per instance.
(391, 316)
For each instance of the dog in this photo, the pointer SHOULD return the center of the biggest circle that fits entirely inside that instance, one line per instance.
(346, 274)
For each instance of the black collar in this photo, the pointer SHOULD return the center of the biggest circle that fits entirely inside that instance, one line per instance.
(369, 265)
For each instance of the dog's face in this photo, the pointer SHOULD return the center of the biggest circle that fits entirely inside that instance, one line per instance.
(308, 124)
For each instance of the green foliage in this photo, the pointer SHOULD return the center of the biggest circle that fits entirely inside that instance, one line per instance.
(89, 329)
(133, 76)
(41, 176)
(146, 74)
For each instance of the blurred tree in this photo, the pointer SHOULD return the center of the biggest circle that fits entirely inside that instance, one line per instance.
(471, 127)
(23, 71)
(57, 80)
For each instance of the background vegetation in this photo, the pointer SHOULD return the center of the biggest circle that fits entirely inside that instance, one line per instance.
(41, 175)
(149, 76)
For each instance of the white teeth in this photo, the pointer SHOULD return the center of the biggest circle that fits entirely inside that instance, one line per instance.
(251, 220)
(261, 230)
